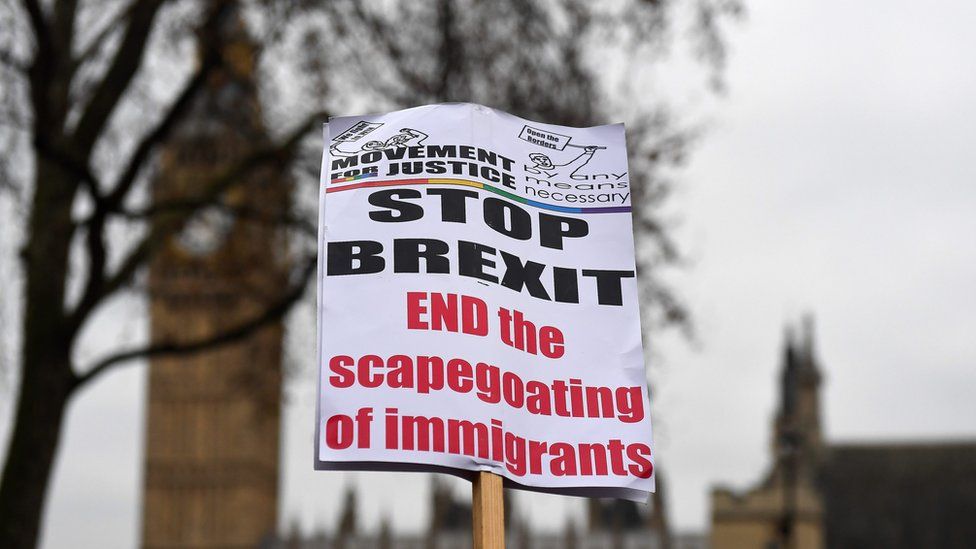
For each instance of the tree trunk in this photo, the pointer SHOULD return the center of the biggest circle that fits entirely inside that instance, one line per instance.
(30, 456)
(46, 376)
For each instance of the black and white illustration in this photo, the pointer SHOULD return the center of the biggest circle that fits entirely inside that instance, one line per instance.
(541, 164)
(405, 137)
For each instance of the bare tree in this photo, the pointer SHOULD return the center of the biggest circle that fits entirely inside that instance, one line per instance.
(76, 84)
(543, 60)
(90, 91)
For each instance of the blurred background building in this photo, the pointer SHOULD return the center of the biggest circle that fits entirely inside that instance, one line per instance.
(820, 494)
(611, 524)
(213, 418)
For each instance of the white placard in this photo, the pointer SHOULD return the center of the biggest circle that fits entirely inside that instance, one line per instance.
(478, 302)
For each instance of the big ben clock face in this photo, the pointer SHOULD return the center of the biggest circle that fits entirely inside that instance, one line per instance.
(205, 232)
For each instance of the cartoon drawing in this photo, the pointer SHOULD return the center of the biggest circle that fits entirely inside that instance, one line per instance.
(406, 137)
(543, 165)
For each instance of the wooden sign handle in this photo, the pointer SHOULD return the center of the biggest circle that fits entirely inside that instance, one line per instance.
(488, 509)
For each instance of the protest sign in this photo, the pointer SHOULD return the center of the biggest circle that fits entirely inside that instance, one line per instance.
(478, 302)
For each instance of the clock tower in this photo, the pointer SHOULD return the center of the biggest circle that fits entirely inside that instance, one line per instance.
(211, 474)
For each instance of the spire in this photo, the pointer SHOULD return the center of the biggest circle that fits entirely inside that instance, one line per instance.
(384, 539)
(809, 326)
(230, 101)
(570, 535)
(348, 519)
(788, 375)
(797, 428)
(447, 514)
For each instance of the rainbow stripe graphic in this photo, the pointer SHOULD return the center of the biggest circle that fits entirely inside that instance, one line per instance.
(354, 178)
(468, 183)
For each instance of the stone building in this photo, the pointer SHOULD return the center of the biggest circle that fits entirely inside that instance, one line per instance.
(610, 524)
(211, 474)
(845, 496)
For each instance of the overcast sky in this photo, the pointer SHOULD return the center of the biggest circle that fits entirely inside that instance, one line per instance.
(836, 178)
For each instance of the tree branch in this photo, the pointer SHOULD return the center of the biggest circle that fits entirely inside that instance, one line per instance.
(380, 31)
(36, 16)
(40, 72)
(70, 164)
(108, 30)
(96, 281)
(164, 228)
(63, 24)
(121, 71)
(210, 60)
(272, 313)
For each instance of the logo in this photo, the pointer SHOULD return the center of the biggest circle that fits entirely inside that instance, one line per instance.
(406, 137)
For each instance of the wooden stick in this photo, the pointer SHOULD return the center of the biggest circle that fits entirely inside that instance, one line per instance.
(489, 511)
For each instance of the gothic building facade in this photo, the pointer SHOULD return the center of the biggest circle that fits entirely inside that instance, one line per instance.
(845, 496)
(783, 510)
